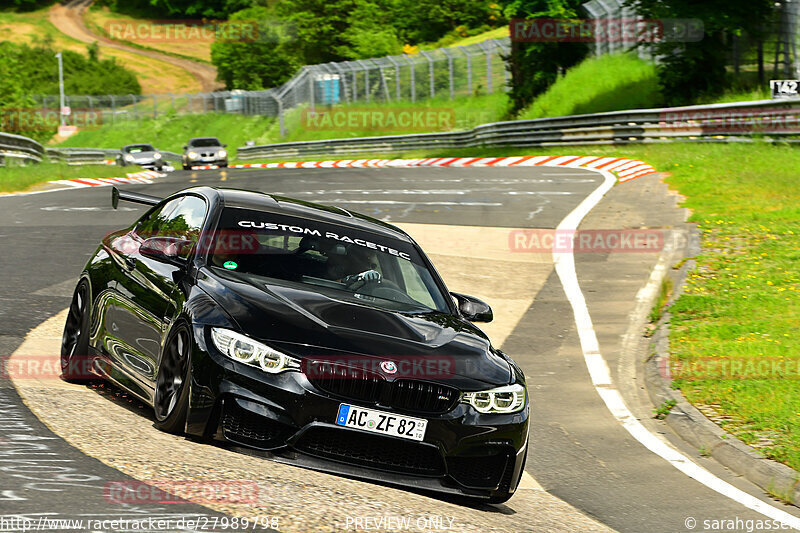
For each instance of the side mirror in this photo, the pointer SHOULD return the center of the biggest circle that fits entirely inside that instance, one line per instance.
(224, 145)
(166, 249)
(473, 309)
(185, 147)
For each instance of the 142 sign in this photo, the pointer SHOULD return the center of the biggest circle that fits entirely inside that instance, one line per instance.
(784, 88)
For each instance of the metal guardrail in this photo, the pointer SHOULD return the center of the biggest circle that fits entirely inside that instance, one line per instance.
(93, 156)
(717, 122)
(18, 147)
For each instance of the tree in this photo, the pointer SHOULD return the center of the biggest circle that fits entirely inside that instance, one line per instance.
(688, 70)
(266, 60)
(534, 66)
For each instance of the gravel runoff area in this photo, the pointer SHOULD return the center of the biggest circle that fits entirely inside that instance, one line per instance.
(116, 429)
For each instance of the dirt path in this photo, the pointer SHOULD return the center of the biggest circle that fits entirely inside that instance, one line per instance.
(67, 18)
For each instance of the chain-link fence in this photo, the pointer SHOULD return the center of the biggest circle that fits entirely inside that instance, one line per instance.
(774, 54)
(444, 72)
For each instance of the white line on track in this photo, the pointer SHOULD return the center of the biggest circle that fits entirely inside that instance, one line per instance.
(601, 377)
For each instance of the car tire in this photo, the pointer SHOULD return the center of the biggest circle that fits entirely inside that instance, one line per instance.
(75, 339)
(186, 167)
(171, 397)
(223, 165)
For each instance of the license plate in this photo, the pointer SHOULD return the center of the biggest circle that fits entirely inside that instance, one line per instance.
(379, 422)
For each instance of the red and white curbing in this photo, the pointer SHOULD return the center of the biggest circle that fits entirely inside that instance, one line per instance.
(625, 169)
(145, 176)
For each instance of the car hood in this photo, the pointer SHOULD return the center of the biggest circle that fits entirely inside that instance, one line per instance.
(143, 155)
(311, 325)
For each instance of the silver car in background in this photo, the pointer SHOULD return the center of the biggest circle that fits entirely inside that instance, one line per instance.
(143, 155)
(204, 151)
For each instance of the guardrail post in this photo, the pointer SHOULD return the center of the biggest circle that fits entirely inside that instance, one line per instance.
(135, 107)
(113, 109)
(155, 107)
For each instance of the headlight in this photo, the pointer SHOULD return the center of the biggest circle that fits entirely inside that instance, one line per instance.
(156, 156)
(507, 399)
(192, 155)
(128, 157)
(222, 153)
(246, 350)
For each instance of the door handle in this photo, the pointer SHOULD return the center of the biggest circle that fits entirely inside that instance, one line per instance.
(130, 262)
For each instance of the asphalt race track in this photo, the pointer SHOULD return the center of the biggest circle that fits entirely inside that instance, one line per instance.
(589, 472)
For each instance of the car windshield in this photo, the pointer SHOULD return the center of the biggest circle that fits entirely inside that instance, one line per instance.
(339, 261)
(136, 148)
(200, 143)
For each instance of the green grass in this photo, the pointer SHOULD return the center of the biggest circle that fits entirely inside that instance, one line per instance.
(170, 132)
(15, 178)
(598, 84)
(460, 113)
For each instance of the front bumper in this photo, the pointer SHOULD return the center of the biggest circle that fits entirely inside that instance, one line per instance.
(148, 163)
(205, 161)
(464, 452)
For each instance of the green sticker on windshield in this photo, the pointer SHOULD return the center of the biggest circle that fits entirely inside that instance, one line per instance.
(230, 265)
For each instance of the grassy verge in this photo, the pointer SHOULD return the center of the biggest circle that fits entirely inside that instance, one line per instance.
(598, 84)
(170, 132)
(20, 178)
(458, 114)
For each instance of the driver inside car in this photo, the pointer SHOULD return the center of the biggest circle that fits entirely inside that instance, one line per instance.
(354, 266)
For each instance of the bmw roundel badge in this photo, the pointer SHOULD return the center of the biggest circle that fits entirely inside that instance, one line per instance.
(389, 367)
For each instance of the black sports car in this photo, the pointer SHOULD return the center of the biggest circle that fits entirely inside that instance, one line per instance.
(321, 336)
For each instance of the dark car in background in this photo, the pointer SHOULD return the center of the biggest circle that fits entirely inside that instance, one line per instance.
(204, 151)
(319, 336)
(143, 155)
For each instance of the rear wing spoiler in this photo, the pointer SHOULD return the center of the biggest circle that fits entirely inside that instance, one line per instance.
(117, 195)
